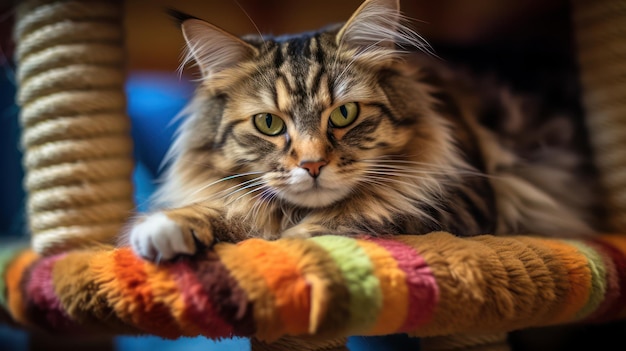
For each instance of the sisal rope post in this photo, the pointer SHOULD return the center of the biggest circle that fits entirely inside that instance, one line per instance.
(600, 31)
(77, 148)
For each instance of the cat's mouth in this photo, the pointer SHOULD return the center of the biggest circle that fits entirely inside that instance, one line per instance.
(315, 197)
(306, 191)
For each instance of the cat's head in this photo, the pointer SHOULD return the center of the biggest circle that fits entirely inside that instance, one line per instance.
(312, 118)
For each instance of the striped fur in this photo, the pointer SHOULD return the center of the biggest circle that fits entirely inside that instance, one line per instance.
(419, 157)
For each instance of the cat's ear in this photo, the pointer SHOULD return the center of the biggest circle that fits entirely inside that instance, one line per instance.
(374, 23)
(377, 26)
(212, 48)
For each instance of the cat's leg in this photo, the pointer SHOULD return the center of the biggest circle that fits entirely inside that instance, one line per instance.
(166, 234)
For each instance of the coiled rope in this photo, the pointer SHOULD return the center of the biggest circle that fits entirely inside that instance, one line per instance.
(78, 152)
(600, 31)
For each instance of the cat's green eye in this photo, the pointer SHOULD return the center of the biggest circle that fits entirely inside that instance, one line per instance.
(269, 124)
(344, 115)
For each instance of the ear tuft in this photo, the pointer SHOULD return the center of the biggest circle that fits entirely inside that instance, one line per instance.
(376, 27)
(178, 17)
(211, 48)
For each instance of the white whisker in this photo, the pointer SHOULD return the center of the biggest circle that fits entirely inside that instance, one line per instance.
(450, 170)
(410, 171)
(398, 181)
(398, 174)
(257, 188)
(228, 191)
(242, 187)
(427, 181)
(234, 176)
(414, 202)
(250, 18)
(262, 202)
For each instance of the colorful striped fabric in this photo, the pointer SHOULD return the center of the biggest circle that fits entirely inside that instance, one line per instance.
(435, 284)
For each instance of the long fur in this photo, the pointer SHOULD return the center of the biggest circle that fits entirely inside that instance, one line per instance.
(419, 157)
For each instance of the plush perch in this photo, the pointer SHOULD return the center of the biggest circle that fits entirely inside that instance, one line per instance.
(329, 286)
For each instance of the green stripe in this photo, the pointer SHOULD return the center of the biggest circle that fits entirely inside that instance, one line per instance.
(358, 272)
(598, 278)
(7, 253)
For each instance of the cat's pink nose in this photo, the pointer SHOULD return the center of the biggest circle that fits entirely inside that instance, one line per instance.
(313, 167)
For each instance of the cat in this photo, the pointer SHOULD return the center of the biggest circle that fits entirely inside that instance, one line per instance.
(357, 128)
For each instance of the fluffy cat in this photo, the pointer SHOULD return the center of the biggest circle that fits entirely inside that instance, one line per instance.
(352, 129)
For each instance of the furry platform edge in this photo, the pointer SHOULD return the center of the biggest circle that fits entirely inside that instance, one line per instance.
(328, 286)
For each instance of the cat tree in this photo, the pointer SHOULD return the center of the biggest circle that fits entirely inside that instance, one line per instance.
(461, 292)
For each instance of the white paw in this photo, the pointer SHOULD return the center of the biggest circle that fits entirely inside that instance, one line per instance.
(158, 237)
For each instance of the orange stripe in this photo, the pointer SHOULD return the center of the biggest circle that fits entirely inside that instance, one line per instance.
(579, 276)
(128, 287)
(247, 274)
(166, 295)
(279, 267)
(112, 289)
(272, 279)
(13, 277)
(392, 280)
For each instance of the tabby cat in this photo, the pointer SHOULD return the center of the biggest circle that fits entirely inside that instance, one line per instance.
(355, 128)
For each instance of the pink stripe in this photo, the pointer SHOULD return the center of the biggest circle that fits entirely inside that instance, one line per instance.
(198, 308)
(422, 286)
(43, 303)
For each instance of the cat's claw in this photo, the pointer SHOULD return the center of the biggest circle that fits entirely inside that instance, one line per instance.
(158, 237)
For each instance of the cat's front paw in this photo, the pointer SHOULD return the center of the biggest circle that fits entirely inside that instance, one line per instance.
(158, 237)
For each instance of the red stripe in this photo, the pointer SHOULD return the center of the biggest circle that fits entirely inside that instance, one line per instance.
(137, 301)
(422, 286)
(42, 304)
(198, 313)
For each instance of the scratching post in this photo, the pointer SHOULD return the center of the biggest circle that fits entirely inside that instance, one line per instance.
(600, 29)
(325, 288)
(77, 148)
